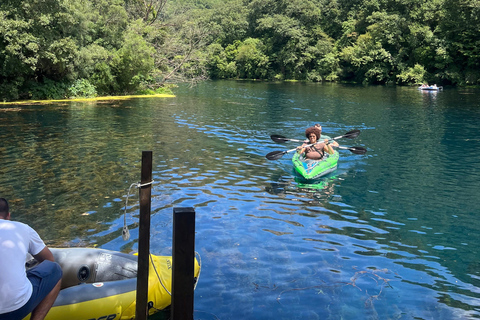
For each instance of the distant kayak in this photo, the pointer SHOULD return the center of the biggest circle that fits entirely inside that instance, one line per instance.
(434, 87)
(313, 169)
(102, 284)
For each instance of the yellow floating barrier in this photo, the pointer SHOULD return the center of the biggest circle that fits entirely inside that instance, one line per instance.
(106, 98)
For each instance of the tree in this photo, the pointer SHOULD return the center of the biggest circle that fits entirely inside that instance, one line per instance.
(148, 10)
(291, 32)
(218, 65)
(180, 57)
(415, 75)
(251, 61)
(33, 44)
(227, 22)
(461, 29)
(367, 60)
(134, 61)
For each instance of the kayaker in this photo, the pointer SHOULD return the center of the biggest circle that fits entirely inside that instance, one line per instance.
(22, 291)
(313, 149)
(319, 127)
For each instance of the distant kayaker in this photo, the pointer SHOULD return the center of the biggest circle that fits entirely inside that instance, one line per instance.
(313, 149)
(22, 291)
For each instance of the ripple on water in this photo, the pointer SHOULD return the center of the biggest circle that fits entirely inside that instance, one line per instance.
(388, 235)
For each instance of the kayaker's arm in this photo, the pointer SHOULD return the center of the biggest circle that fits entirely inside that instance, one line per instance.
(328, 146)
(301, 149)
(43, 255)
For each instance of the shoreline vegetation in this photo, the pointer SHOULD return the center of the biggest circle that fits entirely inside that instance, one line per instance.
(164, 95)
(60, 48)
(105, 98)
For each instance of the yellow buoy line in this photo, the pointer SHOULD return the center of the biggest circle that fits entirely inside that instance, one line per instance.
(106, 98)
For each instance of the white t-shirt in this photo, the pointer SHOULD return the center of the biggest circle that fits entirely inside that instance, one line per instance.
(16, 240)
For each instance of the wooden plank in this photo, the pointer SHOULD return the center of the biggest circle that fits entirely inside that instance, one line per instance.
(183, 263)
(141, 310)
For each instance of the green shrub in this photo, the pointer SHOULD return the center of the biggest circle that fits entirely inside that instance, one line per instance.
(165, 89)
(48, 90)
(82, 88)
(145, 92)
(9, 91)
(314, 76)
(415, 75)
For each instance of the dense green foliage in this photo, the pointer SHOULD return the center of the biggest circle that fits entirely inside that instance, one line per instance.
(368, 41)
(67, 48)
(63, 48)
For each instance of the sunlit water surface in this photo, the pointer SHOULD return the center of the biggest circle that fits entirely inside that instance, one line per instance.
(392, 234)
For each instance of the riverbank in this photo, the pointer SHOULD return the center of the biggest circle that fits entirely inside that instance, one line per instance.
(106, 98)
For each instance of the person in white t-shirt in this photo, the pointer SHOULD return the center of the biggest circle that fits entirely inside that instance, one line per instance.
(25, 291)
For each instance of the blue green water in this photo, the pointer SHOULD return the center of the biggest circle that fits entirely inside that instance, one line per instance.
(392, 234)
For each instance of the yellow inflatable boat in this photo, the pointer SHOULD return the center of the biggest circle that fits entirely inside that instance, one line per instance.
(99, 284)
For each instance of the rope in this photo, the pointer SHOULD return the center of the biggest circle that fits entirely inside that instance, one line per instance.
(158, 276)
(145, 184)
(126, 236)
(125, 231)
(197, 255)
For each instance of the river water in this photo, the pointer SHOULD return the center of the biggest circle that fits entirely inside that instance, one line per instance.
(392, 234)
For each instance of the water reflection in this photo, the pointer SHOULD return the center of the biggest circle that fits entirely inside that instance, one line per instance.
(391, 234)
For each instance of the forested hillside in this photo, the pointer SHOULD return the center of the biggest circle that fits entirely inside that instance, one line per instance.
(68, 48)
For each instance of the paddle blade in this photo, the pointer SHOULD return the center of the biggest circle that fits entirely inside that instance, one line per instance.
(278, 138)
(351, 134)
(357, 150)
(275, 155)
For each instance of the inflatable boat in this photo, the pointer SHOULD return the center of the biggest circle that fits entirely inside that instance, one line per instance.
(101, 284)
(430, 87)
(313, 169)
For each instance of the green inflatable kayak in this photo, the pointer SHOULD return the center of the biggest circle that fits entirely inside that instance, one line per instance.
(313, 169)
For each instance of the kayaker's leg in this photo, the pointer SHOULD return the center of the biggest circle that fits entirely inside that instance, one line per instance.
(40, 312)
(46, 279)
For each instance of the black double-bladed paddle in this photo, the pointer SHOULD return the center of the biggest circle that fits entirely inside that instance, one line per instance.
(356, 150)
(281, 139)
(275, 155)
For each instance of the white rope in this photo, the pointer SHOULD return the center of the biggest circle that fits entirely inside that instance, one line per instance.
(197, 255)
(145, 184)
(158, 276)
(126, 236)
(125, 231)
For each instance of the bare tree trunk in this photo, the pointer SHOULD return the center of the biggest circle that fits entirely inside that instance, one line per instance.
(182, 49)
(148, 10)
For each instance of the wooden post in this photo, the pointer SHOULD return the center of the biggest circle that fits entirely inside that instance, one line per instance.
(141, 311)
(183, 256)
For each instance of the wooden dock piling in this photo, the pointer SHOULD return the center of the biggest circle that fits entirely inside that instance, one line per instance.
(141, 310)
(183, 255)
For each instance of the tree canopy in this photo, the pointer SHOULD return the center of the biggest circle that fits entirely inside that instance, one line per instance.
(66, 48)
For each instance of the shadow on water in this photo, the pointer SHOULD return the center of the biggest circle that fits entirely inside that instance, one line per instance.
(319, 189)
